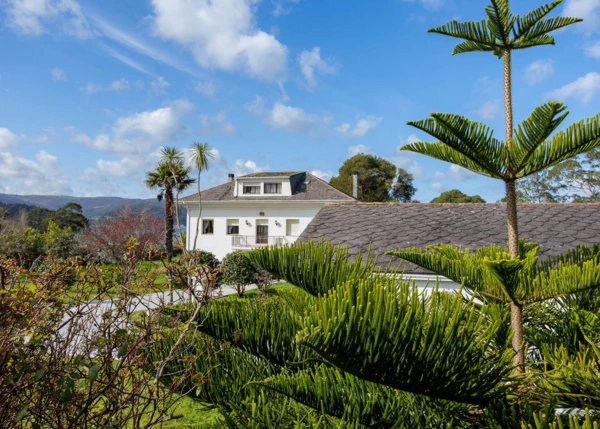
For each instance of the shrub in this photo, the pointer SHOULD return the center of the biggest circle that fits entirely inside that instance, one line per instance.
(202, 257)
(239, 272)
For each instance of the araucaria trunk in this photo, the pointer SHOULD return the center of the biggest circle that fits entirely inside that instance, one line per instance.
(169, 223)
(516, 310)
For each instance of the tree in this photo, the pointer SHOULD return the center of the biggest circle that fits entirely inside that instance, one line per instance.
(70, 216)
(37, 218)
(169, 177)
(403, 189)
(538, 188)
(112, 234)
(238, 271)
(528, 150)
(456, 196)
(201, 155)
(375, 177)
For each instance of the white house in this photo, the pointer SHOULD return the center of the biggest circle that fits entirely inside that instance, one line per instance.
(256, 210)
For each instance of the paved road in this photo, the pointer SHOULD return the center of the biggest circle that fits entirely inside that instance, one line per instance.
(89, 314)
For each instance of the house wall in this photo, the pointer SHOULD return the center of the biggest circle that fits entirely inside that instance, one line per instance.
(220, 243)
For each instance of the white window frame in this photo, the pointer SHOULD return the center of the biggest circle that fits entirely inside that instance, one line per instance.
(250, 186)
(278, 187)
(213, 227)
(232, 222)
(287, 229)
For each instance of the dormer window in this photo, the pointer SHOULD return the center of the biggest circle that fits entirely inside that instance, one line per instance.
(251, 189)
(272, 188)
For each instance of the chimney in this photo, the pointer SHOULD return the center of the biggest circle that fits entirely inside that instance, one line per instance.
(230, 177)
(355, 185)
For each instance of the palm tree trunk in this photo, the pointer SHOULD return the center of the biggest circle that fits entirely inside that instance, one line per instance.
(169, 223)
(199, 213)
(516, 310)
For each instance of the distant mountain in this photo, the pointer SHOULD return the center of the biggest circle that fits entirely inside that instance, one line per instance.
(93, 207)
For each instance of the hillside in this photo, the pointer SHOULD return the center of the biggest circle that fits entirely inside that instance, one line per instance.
(93, 207)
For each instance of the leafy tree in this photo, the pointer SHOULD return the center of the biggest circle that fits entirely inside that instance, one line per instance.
(201, 155)
(238, 271)
(375, 177)
(38, 218)
(527, 150)
(403, 189)
(170, 177)
(456, 196)
(70, 216)
(538, 188)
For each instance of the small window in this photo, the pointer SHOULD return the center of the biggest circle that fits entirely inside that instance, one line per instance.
(252, 189)
(208, 226)
(233, 227)
(292, 227)
(272, 188)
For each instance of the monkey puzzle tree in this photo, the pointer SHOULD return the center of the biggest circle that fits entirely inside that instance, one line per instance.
(530, 148)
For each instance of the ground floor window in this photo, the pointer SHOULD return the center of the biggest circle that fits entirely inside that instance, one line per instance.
(292, 227)
(208, 226)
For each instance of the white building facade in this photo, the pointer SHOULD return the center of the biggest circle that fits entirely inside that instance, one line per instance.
(256, 210)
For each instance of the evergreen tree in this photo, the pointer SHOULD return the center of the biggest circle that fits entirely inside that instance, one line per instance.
(375, 177)
(456, 196)
(403, 189)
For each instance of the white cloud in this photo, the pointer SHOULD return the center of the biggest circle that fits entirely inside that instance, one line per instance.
(8, 139)
(437, 186)
(486, 85)
(159, 86)
(311, 63)
(137, 133)
(45, 138)
(593, 50)
(324, 175)
(128, 166)
(217, 124)
(587, 9)
(429, 4)
(136, 44)
(359, 148)
(412, 138)
(126, 60)
(118, 85)
(221, 34)
(24, 176)
(583, 89)
(58, 74)
(240, 167)
(281, 8)
(286, 117)
(31, 16)
(361, 127)
(207, 88)
(538, 71)
(408, 164)
(455, 173)
(489, 110)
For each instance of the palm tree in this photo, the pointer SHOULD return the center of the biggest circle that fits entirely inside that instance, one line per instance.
(201, 155)
(169, 176)
(524, 152)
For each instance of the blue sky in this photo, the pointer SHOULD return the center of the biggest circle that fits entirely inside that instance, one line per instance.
(91, 90)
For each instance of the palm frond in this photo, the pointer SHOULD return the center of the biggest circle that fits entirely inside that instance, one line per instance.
(313, 267)
(476, 32)
(533, 131)
(500, 21)
(201, 155)
(524, 23)
(386, 332)
(471, 139)
(578, 138)
(545, 26)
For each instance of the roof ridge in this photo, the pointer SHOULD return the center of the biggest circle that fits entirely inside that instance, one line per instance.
(333, 187)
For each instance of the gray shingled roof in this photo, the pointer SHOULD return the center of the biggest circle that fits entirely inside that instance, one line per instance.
(555, 227)
(315, 190)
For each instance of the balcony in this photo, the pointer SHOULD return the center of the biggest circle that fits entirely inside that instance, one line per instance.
(250, 241)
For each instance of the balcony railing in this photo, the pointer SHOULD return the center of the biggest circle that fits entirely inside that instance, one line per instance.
(256, 240)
